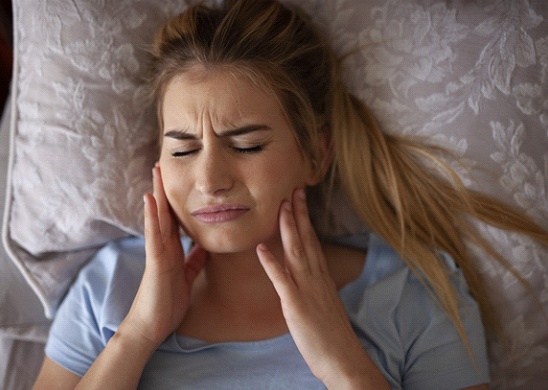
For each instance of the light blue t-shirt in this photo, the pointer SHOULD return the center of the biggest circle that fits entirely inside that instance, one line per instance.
(405, 332)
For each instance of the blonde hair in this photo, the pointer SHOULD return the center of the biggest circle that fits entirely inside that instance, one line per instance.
(402, 189)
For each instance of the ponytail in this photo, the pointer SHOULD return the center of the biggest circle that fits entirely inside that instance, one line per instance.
(408, 195)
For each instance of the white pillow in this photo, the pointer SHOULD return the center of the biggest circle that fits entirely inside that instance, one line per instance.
(471, 75)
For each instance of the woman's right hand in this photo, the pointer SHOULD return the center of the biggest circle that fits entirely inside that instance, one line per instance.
(160, 305)
(164, 294)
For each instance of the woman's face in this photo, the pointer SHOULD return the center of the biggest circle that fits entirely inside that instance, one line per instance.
(228, 159)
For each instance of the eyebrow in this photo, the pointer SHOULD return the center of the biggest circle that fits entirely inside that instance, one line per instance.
(184, 135)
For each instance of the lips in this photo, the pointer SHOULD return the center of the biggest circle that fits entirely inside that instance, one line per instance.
(219, 213)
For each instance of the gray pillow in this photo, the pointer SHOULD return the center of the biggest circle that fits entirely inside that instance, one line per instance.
(82, 133)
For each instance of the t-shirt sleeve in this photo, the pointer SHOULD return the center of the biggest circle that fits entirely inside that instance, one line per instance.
(436, 355)
(408, 334)
(95, 305)
(75, 339)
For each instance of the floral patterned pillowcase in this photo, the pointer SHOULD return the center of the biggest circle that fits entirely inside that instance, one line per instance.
(471, 75)
(82, 137)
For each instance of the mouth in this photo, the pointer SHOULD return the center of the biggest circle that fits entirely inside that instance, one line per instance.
(219, 213)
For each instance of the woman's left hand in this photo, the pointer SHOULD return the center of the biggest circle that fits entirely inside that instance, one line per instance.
(311, 305)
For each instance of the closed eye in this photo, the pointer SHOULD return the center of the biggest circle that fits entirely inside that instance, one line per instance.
(254, 149)
(184, 153)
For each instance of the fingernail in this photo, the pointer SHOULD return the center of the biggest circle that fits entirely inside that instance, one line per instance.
(262, 247)
(301, 194)
(287, 206)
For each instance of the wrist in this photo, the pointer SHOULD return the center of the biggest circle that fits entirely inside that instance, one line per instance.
(359, 372)
(129, 336)
(347, 381)
(112, 368)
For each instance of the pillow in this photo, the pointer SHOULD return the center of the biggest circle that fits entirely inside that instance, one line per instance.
(81, 135)
(21, 316)
(471, 75)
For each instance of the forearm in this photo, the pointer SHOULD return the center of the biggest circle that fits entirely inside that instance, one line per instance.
(121, 363)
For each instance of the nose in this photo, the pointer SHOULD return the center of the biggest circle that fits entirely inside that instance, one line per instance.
(213, 172)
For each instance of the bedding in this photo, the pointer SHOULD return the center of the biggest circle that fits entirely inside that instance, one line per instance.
(471, 75)
(23, 326)
(13, 289)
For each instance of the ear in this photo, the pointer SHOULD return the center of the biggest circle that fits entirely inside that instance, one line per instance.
(318, 169)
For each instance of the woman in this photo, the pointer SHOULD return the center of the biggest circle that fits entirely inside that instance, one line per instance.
(252, 111)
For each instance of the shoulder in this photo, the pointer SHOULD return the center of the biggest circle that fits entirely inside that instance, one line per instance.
(385, 272)
(112, 277)
(96, 304)
(112, 274)
(106, 286)
(405, 329)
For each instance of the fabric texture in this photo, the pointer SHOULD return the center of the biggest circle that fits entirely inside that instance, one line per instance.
(470, 75)
(405, 332)
(21, 316)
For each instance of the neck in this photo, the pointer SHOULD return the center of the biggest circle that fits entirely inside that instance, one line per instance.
(233, 299)
(239, 279)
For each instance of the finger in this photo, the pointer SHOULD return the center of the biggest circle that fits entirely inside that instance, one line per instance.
(194, 262)
(278, 275)
(165, 215)
(294, 252)
(307, 234)
(153, 235)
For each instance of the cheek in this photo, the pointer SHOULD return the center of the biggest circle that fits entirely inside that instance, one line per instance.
(175, 188)
(278, 185)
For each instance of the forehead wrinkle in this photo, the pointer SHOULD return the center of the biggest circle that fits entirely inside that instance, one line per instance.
(203, 112)
(196, 123)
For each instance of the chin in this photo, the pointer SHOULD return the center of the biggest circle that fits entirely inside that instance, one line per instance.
(225, 245)
(231, 240)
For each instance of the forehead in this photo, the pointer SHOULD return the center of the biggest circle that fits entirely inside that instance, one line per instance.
(219, 96)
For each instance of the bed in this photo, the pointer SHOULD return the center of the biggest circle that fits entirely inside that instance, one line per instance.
(76, 136)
